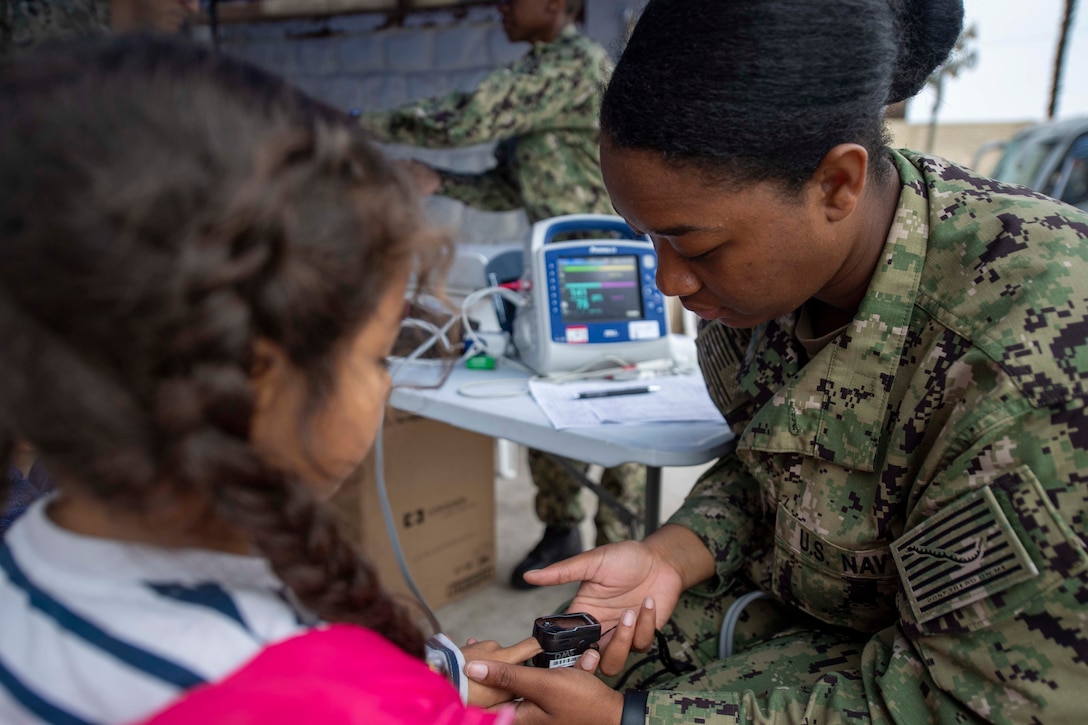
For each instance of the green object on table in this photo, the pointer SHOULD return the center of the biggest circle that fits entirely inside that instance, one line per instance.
(480, 362)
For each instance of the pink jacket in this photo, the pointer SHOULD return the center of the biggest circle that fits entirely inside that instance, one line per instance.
(341, 675)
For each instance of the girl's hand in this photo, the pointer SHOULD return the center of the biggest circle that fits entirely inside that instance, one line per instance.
(481, 695)
(562, 696)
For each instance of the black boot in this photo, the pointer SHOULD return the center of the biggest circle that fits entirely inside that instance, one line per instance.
(556, 545)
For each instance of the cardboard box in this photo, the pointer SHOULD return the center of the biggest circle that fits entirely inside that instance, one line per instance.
(441, 485)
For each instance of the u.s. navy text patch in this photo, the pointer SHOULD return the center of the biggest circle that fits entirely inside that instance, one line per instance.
(965, 553)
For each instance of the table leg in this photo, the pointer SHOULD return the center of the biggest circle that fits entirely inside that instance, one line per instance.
(652, 519)
(626, 515)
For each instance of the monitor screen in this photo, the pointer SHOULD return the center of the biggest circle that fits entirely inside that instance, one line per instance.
(599, 289)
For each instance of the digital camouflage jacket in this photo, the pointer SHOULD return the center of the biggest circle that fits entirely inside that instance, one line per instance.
(542, 110)
(924, 477)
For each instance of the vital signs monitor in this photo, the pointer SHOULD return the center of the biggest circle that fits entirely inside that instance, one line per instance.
(590, 298)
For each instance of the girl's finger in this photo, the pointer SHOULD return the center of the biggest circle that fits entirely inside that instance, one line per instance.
(523, 650)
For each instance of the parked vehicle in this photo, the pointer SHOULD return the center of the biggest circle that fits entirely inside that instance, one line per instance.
(1050, 157)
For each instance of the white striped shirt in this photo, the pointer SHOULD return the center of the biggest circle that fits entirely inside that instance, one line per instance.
(100, 631)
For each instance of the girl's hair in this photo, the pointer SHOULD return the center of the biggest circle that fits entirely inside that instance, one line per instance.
(753, 90)
(161, 208)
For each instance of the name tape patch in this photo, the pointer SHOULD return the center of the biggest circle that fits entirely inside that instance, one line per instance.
(823, 553)
(964, 554)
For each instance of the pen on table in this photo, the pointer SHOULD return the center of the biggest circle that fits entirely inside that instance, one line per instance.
(619, 391)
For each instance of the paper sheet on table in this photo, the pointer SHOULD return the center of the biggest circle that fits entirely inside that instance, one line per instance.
(681, 399)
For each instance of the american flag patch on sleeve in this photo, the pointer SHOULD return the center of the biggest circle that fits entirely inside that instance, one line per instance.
(965, 553)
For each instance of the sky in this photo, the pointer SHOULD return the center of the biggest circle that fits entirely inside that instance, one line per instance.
(1015, 48)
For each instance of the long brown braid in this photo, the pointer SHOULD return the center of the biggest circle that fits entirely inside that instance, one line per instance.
(163, 208)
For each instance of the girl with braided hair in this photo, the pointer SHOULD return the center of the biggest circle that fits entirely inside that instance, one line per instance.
(201, 275)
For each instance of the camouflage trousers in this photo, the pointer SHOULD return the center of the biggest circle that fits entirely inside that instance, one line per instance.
(558, 502)
(774, 646)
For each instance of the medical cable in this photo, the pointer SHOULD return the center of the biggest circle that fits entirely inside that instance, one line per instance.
(391, 529)
(729, 623)
(438, 335)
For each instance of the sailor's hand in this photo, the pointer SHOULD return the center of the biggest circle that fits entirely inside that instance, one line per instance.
(560, 696)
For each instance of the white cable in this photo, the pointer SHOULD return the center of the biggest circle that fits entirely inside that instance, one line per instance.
(438, 334)
(429, 327)
(470, 301)
(468, 389)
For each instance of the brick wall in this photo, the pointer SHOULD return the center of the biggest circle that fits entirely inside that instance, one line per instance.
(356, 61)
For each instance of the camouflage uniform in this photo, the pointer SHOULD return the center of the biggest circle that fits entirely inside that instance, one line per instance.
(542, 110)
(914, 496)
(27, 23)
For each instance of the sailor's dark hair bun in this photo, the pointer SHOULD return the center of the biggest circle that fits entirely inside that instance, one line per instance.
(929, 31)
(753, 90)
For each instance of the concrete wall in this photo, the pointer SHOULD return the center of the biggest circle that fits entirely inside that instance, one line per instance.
(959, 142)
(357, 61)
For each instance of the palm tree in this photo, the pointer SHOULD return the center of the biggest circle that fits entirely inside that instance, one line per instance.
(1059, 57)
(963, 56)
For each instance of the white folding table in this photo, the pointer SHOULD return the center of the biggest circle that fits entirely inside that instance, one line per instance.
(519, 419)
